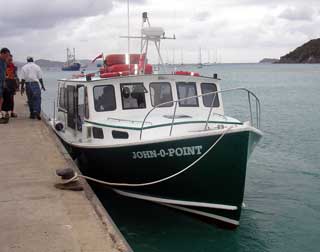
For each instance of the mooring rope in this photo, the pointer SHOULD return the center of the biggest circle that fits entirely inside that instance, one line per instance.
(77, 176)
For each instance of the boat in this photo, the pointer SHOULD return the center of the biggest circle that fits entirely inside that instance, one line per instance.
(71, 63)
(163, 138)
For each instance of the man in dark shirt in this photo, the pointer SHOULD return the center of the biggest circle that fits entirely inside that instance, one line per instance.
(4, 55)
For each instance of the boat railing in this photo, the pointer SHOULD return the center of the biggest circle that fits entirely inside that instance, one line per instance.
(253, 102)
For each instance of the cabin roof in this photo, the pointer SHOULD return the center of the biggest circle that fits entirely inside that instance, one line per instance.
(161, 77)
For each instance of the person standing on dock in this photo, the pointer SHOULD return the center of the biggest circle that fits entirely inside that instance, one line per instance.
(9, 91)
(31, 75)
(4, 55)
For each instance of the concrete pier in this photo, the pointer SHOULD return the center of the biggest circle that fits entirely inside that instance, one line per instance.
(34, 215)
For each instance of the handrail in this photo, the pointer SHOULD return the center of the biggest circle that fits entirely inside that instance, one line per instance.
(250, 94)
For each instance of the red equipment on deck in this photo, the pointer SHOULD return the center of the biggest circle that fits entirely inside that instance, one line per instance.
(116, 65)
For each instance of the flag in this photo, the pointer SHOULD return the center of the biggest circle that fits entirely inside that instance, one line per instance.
(98, 57)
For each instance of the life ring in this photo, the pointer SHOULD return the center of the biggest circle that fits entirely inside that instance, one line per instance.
(109, 75)
(120, 59)
(186, 73)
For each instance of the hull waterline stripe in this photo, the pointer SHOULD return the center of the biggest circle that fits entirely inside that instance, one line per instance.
(176, 202)
(158, 126)
(209, 215)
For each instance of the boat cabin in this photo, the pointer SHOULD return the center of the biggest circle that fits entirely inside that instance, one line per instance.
(133, 108)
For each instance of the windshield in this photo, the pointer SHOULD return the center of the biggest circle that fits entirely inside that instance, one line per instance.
(104, 98)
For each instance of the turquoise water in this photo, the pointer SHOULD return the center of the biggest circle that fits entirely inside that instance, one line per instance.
(282, 194)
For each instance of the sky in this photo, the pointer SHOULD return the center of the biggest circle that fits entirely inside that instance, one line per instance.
(227, 31)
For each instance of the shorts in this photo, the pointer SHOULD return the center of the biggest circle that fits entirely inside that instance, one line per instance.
(1, 88)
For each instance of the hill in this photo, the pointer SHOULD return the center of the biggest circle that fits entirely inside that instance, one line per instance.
(49, 63)
(44, 63)
(307, 53)
(268, 60)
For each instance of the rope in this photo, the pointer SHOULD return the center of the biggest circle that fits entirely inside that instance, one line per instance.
(77, 176)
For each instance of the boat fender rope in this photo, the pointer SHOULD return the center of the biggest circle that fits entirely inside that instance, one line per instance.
(77, 176)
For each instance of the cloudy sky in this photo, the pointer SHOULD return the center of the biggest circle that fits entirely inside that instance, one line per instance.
(227, 30)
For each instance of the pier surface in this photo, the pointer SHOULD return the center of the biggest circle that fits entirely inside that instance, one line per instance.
(34, 215)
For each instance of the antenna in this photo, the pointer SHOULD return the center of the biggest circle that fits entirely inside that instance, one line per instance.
(148, 33)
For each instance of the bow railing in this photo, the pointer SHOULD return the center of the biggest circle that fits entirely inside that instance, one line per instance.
(253, 102)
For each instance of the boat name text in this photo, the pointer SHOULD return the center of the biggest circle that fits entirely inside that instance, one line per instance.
(170, 152)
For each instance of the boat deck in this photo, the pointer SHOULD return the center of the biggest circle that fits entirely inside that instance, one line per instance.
(34, 215)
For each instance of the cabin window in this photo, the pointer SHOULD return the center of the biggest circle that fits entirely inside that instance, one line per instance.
(120, 134)
(104, 98)
(133, 96)
(97, 133)
(62, 98)
(160, 92)
(185, 90)
(211, 99)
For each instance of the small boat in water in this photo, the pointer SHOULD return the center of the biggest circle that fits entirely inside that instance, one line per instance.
(71, 63)
(163, 138)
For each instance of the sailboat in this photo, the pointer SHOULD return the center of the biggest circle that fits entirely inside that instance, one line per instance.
(200, 65)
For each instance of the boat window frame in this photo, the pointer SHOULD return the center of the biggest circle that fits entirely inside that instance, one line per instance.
(171, 93)
(144, 93)
(94, 99)
(79, 120)
(178, 83)
(203, 95)
(71, 106)
(86, 103)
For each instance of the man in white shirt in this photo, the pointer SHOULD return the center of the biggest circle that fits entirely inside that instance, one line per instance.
(31, 75)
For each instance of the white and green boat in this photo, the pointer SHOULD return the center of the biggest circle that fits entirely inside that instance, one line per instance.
(163, 138)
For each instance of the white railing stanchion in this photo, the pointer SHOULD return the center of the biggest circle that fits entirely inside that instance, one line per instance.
(174, 115)
(209, 115)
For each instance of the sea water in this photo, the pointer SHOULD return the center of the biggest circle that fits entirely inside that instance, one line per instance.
(282, 194)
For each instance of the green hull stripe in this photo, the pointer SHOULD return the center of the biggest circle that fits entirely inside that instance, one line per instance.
(159, 125)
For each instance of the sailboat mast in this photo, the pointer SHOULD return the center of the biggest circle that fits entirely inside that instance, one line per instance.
(181, 56)
(128, 13)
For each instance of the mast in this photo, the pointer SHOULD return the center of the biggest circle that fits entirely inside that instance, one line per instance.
(67, 56)
(128, 19)
(173, 56)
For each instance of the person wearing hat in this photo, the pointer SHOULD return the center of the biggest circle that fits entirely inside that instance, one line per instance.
(4, 55)
(31, 76)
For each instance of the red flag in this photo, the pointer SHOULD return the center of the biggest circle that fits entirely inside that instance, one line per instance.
(98, 57)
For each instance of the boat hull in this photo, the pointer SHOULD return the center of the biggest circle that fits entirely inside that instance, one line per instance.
(213, 186)
(73, 67)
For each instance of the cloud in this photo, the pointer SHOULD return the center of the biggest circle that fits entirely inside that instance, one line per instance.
(295, 13)
(202, 16)
(241, 30)
(21, 16)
